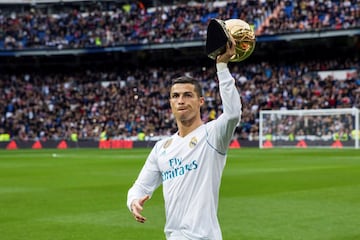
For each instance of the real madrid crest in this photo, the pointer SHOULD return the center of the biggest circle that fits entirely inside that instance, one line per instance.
(167, 143)
(193, 142)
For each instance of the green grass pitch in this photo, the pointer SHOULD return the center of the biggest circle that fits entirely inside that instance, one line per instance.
(269, 194)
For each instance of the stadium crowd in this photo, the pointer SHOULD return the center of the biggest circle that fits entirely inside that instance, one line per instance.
(106, 24)
(123, 104)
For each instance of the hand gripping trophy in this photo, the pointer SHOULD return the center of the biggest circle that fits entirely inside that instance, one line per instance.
(218, 34)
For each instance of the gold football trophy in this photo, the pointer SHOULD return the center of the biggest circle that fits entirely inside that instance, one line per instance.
(218, 35)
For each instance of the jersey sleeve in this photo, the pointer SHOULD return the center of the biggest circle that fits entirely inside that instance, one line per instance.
(224, 126)
(148, 180)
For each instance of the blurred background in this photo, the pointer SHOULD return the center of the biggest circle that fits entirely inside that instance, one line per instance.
(100, 70)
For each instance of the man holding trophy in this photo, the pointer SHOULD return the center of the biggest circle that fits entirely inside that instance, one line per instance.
(189, 164)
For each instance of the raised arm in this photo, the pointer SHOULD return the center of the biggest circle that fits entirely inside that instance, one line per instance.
(228, 92)
(227, 121)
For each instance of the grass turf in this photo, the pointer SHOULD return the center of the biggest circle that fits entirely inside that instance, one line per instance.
(271, 194)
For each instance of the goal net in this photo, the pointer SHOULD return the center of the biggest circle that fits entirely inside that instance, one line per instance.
(330, 128)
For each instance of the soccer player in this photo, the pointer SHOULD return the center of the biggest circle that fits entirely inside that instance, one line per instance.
(190, 163)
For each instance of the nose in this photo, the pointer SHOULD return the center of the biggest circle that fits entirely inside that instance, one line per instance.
(181, 99)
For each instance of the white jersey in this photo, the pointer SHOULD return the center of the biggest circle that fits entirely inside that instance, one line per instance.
(190, 169)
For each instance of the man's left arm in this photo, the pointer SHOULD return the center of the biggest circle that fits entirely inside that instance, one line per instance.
(231, 102)
(230, 97)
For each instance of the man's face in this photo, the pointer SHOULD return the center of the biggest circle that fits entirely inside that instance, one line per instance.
(185, 103)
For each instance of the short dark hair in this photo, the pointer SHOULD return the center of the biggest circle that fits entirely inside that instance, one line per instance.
(190, 80)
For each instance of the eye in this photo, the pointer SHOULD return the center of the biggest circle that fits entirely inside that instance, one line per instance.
(188, 95)
(174, 95)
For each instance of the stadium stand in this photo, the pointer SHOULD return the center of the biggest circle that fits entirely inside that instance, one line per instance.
(49, 106)
(46, 97)
(113, 23)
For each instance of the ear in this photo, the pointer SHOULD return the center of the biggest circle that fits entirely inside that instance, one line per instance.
(202, 101)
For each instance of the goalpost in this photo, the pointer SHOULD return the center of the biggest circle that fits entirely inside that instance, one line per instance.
(328, 128)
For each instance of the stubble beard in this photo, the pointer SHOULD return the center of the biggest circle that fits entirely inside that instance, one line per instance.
(186, 120)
